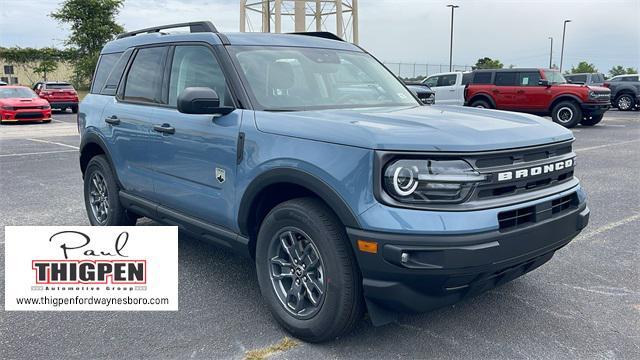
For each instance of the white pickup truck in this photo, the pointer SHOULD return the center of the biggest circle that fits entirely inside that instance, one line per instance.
(449, 87)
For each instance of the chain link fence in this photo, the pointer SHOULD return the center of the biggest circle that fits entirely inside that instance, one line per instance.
(415, 71)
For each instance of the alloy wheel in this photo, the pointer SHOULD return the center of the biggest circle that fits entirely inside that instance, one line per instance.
(99, 197)
(565, 114)
(624, 102)
(297, 273)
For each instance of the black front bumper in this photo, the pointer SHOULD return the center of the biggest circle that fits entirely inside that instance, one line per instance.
(439, 270)
(595, 108)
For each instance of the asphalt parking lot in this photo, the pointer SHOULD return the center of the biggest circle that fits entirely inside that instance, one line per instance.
(584, 303)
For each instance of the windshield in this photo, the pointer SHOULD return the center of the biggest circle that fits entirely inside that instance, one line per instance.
(6, 93)
(554, 77)
(294, 78)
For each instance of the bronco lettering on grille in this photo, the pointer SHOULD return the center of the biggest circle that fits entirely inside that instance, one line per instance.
(536, 170)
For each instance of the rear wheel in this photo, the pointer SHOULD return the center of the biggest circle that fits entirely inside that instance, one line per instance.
(625, 102)
(307, 271)
(591, 120)
(74, 109)
(567, 114)
(101, 197)
(481, 104)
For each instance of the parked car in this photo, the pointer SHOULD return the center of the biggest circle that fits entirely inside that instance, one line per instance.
(60, 95)
(596, 79)
(449, 87)
(19, 103)
(2, 83)
(625, 91)
(346, 195)
(538, 91)
(423, 92)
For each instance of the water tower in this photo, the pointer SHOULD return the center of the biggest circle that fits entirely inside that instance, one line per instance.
(336, 16)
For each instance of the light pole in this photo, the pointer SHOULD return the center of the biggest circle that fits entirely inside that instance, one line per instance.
(453, 7)
(564, 30)
(551, 53)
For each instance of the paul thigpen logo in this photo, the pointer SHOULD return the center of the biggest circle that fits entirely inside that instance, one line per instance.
(117, 269)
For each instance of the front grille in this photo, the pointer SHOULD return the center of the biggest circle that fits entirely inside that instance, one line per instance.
(530, 160)
(513, 219)
(29, 115)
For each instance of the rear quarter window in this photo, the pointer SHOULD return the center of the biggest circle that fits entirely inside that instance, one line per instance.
(482, 78)
(105, 65)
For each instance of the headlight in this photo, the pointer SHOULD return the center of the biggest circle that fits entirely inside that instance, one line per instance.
(592, 94)
(430, 181)
(45, 107)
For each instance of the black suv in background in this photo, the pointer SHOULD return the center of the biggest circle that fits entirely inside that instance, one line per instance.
(625, 91)
(585, 79)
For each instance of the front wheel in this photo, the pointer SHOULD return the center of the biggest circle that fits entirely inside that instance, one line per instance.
(625, 102)
(567, 114)
(101, 195)
(591, 120)
(307, 271)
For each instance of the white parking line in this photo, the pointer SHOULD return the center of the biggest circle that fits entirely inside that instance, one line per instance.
(609, 226)
(606, 145)
(39, 153)
(54, 143)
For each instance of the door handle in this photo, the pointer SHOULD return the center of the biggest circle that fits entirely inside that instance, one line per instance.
(113, 120)
(164, 128)
(452, 90)
(520, 91)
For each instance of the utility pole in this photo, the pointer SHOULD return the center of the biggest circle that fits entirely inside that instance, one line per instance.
(564, 30)
(551, 53)
(453, 7)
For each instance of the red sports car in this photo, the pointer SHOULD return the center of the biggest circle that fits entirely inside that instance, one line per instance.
(19, 103)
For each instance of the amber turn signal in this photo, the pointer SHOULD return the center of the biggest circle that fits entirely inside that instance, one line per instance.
(368, 246)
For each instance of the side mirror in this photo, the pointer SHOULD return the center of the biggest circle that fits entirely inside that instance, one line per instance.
(543, 82)
(201, 100)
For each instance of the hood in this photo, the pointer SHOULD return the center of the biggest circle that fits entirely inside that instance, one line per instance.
(420, 128)
(590, 87)
(23, 102)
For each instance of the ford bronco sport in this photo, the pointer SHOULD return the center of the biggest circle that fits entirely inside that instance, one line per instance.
(304, 153)
(538, 91)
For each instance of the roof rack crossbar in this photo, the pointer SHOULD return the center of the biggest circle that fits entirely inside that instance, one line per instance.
(194, 27)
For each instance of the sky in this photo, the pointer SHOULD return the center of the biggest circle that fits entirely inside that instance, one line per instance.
(604, 33)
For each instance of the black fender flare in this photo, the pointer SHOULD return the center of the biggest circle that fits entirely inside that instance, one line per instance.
(90, 138)
(299, 177)
(563, 97)
(483, 95)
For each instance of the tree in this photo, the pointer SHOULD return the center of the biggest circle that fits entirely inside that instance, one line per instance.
(488, 63)
(45, 67)
(92, 25)
(619, 70)
(583, 67)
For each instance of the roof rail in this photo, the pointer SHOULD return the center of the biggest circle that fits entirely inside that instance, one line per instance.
(194, 27)
(321, 34)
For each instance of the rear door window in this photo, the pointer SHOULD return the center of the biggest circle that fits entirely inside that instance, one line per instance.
(506, 78)
(105, 65)
(144, 79)
(530, 78)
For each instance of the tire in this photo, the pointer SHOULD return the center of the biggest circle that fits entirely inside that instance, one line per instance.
(334, 281)
(74, 109)
(101, 198)
(481, 104)
(567, 114)
(625, 102)
(591, 121)
(46, 121)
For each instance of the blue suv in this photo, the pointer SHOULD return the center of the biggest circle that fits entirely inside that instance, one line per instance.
(306, 154)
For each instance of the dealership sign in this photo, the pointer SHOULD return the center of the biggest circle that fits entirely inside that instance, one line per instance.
(91, 268)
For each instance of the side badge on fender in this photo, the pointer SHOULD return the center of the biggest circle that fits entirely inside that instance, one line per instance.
(220, 175)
